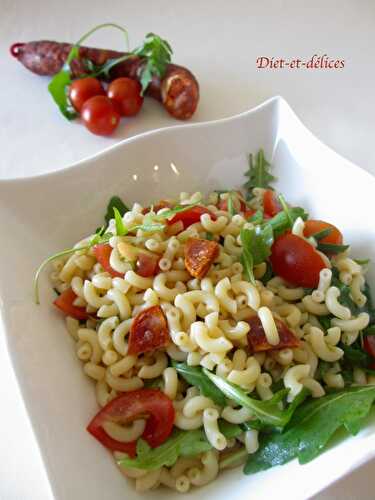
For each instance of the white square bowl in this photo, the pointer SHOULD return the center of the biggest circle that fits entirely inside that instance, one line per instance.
(41, 215)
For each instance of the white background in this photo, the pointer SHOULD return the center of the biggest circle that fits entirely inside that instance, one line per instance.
(220, 42)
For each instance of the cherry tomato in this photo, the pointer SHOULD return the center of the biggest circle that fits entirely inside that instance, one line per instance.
(102, 253)
(315, 226)
(191, 216)
(127, 94)
(65, 303)
(100, 115)
(257, 339)
(248, 213)
(82, 90)
(369, 344)
(271, 204)
(148, 331)
(147, 265)
(125, 408)
(296, 261)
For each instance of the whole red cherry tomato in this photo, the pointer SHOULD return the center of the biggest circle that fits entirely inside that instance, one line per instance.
(83, 89)
(296, 261)
(99, 115)
(126, 93)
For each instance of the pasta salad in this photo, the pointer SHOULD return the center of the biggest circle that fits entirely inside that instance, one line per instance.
(218, 331)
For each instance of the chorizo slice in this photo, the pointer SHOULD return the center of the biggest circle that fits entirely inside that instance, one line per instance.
(149, 331)
(257, 340)
(199, 255)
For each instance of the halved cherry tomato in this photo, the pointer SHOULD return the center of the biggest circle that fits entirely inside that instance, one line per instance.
(271, 204)
(147, 265)
(369, 345)
(102, 253)
(148, 331)
(191, 216)
(315, 226)
(126, 93)
(82, 89)
(249, 213)
(296, 261)
(99, 115)
(150, 403)
(257, 339)
(65, 303)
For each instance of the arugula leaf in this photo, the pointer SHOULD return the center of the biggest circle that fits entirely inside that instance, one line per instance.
(258, 174)
(281, 222)
(248, 265)
(311, 427)
(168, 214)
(229, 430)
(115, 202)
(268, 412)
(356, 355)
(332, 248)
(230, 205)
(233, 459)
(370, 330)
(194, 375)
(257, 218)
(325, 321)
(209, 236)
(322, 234)
(180, 444)
(362, 262)
(258, 242)
(58, 86)
(158, 54)
(121, 230)
(286, 210)
(267, 275)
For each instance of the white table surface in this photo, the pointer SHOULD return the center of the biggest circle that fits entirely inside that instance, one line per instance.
(220, 42)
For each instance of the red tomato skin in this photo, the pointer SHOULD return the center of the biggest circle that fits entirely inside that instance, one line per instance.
(82, 90)
(296, 261)
(65, 303)
(147, 265)
(99, 115)
(369, 345)
(102, 253)
(271, 205)
(126, 408)
(249, 213)
(126, 93)
(191, 216)
(148, 331)
(314, 226)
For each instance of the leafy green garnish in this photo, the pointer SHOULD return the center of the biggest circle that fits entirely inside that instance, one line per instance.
(121, 230)
(258, 174)
(281, 222)
(268, 412)
(311, 427)
(115, 202)
(58, 86)
(233, 459)
(230, 205)
(157, 53)
(168, 214)
(331, 248)
(209, 236)
(322, 234)
(180, 444)
(194, 375)
(267, 275)
(256, 244)
(362, 262)
(286, 210)
(256, 218)
(248, 265)
(325, 321)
